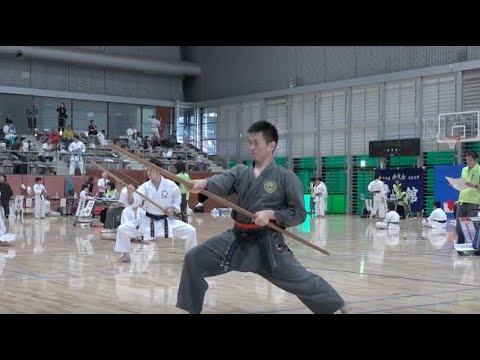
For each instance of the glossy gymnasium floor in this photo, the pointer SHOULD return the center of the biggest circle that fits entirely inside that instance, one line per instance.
(55, 267)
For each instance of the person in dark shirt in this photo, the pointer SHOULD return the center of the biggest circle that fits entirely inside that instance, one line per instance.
(62, 116)
(90, 183)
(92, 129)
(5, 194)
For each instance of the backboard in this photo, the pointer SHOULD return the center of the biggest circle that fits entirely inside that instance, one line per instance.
(459, 126)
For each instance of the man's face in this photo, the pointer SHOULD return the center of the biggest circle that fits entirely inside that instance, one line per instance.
(470, 161)
(153, 175)
(259, 148)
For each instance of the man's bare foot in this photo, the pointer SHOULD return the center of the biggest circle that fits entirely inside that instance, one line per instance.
(125, 258)
(346, 309)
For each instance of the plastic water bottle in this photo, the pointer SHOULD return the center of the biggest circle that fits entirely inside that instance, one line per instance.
(56, 195)
(75, 196)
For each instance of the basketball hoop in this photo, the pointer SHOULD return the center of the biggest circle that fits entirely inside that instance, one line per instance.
(452, 141)
(458, 127)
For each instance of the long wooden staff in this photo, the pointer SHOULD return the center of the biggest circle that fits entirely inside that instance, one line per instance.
(116, 178)
(129, 177)
(217, 198)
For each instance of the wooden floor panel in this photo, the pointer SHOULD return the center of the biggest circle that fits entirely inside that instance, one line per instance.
(55, 267)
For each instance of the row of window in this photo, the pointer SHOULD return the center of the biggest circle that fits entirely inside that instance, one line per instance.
(194, 126)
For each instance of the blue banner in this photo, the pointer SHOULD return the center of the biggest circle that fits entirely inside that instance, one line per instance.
(412, 182)
(443, 191)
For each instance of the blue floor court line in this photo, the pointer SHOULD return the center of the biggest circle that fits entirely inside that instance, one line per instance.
(35, 276)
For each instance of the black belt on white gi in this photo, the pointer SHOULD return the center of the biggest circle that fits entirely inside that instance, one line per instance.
(441, 221)
(154, 218)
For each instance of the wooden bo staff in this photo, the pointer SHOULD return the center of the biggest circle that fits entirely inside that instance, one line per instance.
(116, 178)
(217, 198)
(129, 177)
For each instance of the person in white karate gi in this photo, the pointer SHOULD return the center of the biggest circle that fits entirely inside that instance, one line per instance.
(437, 219)
(6, 239)
(130, 213)
(77, 149)
(156, 223)
(320, 199)
(40, 194)
(377, 189)
(391, 221)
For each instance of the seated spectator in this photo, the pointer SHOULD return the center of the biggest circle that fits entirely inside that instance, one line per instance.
(167, 154)
(147, 144)
(133, 142)
(92, 129)
(68, 136)
(27, 145)
(9, 131)
(130, 131)
(173, 138)
(17, 153)
(101, 138)
(54, 137)
(111, 192)
(156, 142)
(46, 151)
(108, 215)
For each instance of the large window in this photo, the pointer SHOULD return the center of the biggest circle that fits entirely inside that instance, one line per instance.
(148, 126)
(84, 111)
(187, 125)
(14, 106)
(121, 116)
(114, 118)
(48, 115)
(209, 131)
